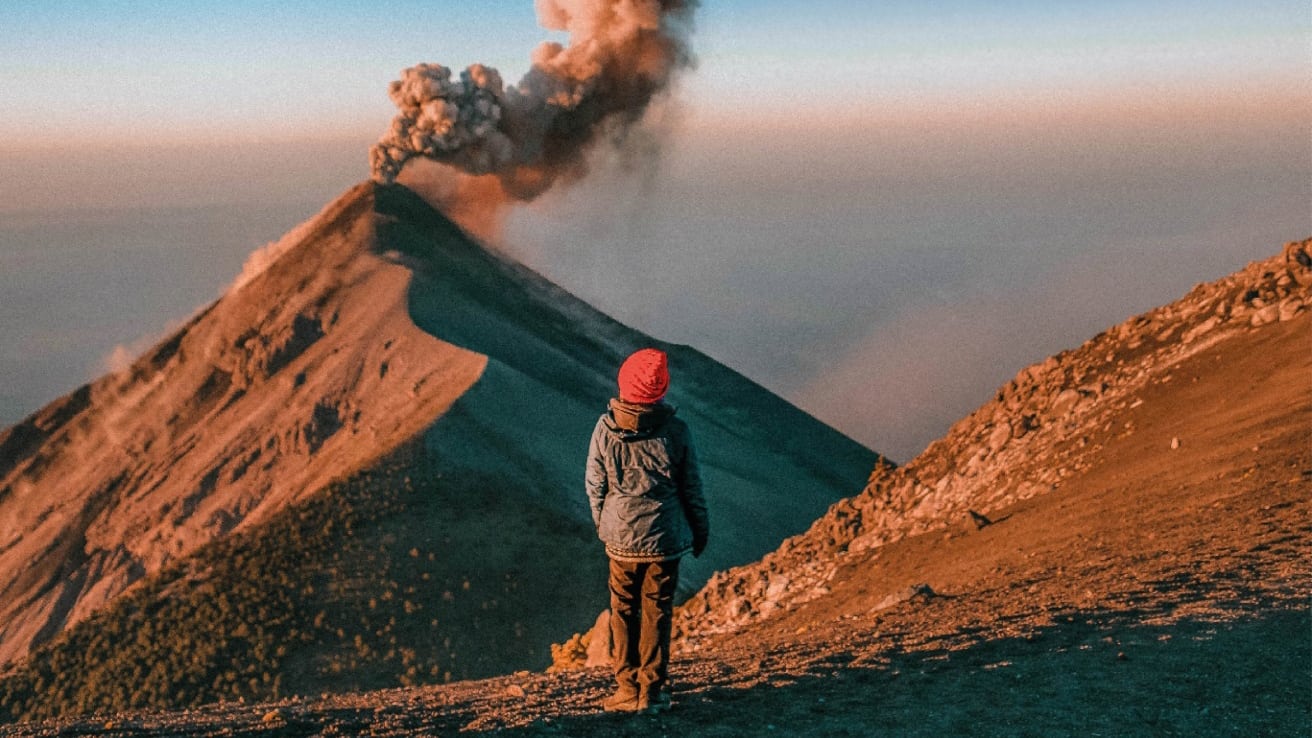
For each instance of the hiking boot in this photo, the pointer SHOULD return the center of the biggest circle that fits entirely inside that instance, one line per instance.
(621, 701)
(652, 704)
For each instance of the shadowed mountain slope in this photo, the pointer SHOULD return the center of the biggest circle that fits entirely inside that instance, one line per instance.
(441, 394)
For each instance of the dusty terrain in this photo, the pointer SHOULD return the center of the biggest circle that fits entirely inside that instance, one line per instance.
(1056, 421)
(1158, 587)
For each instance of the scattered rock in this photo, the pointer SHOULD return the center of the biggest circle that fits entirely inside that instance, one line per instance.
(778, 586)
(516, 691)
(866, 542)
(1268, 314)
(273, 716)
(1298, 261)
(1200, 329)
(599, 641)
(999, 437)
(1175, 443)
(916, 592)
(740, 608)
(1290, 308)
(1065, 402)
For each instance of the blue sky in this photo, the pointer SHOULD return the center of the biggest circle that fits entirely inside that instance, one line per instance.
(73, 72)
(116, 69)
(880, 210)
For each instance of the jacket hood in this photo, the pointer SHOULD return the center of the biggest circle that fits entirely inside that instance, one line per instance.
(632, 418)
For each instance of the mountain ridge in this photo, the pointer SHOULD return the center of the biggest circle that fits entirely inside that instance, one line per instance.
(221, 371)
(375, 329)
(1042, 415)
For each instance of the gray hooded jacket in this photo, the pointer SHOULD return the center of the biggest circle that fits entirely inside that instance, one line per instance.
(644, 485)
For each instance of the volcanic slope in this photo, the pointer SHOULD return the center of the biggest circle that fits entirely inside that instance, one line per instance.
(361, 467)
(1152, 579)
(1099, 414)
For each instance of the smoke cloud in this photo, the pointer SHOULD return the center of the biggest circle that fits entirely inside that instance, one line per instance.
(514, 143)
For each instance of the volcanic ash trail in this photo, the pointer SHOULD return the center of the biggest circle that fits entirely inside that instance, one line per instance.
(621, 54)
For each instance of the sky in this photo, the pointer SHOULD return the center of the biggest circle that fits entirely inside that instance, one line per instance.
(881, 211)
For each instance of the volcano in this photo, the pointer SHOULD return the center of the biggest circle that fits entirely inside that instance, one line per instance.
(360, 467)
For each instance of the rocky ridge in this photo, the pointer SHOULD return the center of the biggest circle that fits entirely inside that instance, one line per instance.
(1022, 443)
(255, 403)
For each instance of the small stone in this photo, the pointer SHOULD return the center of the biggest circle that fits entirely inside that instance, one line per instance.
(999, 437)
(1120, 656)
(272, 716)
(915, 593)
(1268, 314)
(741, 608)
(1290, 308)
(599, 642)
(1296, 255)
(1175, 443)
(515, 690)
(1065, 402)
(1199, 329)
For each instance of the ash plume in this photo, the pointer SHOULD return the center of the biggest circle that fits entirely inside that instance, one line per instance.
(621, 54)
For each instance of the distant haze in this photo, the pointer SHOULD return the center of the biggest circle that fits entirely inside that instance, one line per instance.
(887, 275)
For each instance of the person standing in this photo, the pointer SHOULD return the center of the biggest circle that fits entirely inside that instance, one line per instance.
(645, 491)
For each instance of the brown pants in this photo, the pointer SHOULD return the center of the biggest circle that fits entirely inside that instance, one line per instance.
(641, 613)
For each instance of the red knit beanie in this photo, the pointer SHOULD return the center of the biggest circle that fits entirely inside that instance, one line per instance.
(644, 377)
